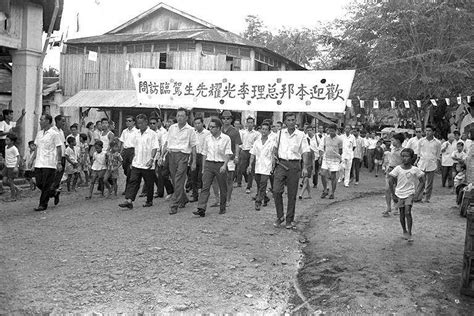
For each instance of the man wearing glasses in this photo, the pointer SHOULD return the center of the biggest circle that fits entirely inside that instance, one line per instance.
(236, 141)
(215, 155)
(126, 140)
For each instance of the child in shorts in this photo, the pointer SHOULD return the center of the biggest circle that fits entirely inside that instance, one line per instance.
(114, 161)
(458, 155)
(29, 163)
(98, 168)
(71, 168)
(12, 164)
(406, 177)
(84, 158)
(378, 157)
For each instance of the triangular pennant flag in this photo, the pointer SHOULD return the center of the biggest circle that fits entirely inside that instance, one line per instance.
(433, 101)
(361, 103)
(468, 99)
(407, 104)
(349, 103)
(392, 104)
(418, 103)
(459, 99)
(447, 101)
(376, 104)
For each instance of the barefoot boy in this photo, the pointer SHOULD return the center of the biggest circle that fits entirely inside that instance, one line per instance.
(406, 178)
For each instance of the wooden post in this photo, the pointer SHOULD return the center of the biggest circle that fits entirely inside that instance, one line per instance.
(119, 131)
(467, 277)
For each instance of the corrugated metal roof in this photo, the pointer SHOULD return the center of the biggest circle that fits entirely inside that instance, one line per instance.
(103, 99)
(211, 35)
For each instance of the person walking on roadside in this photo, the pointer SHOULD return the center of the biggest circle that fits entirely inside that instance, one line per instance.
(348, 146)
(146, 146)
(7, 125)
(414, 142)
(330, 153)
(371, 143)
(215, 156)
(127, 150)
(106, 135)
(292, 146)
(60, 122)
(236, 141)
(47, 158)
(359, 153)
(394, 159)
(261, 155)
(447, 162)
(180, 145)
(428, 161)
(249, 136)
(196, 175)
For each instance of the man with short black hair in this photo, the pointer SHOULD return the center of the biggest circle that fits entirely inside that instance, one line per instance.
(60, 122)
(127, 142)
(196, 175)
(47, 158)
(428, 162)
(249, 136)
(215, 155)
(180, 145)
(146, 144)
(292, 146)
(236, 141)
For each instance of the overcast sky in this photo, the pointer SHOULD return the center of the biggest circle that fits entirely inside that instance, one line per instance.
(99, 16)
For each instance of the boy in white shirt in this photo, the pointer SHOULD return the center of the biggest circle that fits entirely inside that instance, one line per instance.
(406, 178)
(29, 163)
(12, 163)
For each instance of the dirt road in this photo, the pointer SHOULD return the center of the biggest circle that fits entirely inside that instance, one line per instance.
(85, 256)
(357, 262)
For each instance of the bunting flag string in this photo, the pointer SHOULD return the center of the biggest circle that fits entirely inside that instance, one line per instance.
(376, 103)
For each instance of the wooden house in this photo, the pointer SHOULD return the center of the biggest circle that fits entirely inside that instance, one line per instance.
(164, 38)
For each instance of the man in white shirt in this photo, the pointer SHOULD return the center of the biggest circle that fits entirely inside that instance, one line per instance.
(47, 157)
(180, 145)
(292, 146)
(348, 146)
(146, 145)
(359, 152)
(428, 162)
(6, 127)
(216, 153)
(371, 143)
(317, 139)
(162, 171)
(414, 142)
(60, 122)
(262, 157)
(196, 175)
(447, 162)
(249, 136)
(127, 143)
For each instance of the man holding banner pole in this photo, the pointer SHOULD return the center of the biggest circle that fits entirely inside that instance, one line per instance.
(180, 144)
(291, 147)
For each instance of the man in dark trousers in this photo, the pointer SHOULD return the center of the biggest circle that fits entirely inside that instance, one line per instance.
(291, 147)
(126, 140)
(215, 156)
(47, 157)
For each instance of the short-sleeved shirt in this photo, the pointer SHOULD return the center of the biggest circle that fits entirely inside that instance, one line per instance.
(62, 138)
(263, 155)
(395, 157)
(407, 180)
(99, 161)
(181, 139)
(378, 153)
(248, 138)
(429, 154)
(216, 148)
(11, 157)
(144, 144)
(292, 146)
(6, 127)
(348, 144)
(449, 148)
(234, 135)
(46, 148)
(201, 138)
(126, 138)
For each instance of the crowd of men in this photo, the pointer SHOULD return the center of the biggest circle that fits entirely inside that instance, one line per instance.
(198, 159)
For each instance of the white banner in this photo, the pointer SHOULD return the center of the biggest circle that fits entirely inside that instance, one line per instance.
(273, 91)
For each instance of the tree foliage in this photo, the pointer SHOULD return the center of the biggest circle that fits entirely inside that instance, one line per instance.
(298, 45)
(405, 49)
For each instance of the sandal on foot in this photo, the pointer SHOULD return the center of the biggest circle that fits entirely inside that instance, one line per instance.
(331, 196)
